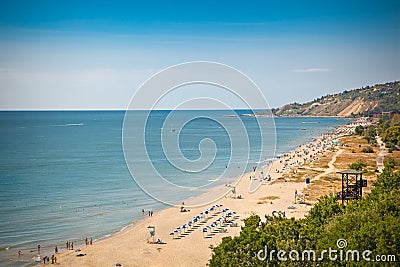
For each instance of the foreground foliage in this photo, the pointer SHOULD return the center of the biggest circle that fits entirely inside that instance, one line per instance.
(371, 223)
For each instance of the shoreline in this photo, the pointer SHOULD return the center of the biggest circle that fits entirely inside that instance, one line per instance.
(269, 161)
(273, 184)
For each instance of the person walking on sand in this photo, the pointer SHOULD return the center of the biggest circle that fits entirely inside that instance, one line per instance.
(91, 241)
(72, 245)
(143, 212)
(67, 245)
(86, 243)
(56, 249)
(52, 259)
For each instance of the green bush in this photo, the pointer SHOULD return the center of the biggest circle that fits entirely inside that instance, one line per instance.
(367, 149)
(359, 130)
(358, 166)
(392, 135)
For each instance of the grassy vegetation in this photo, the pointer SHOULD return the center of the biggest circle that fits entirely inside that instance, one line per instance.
(324, 186)
(353, 152)
(267, 199)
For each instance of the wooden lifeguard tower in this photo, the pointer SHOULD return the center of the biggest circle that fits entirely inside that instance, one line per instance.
(352, 184)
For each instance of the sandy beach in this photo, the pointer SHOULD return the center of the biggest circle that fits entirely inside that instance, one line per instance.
(191, 246)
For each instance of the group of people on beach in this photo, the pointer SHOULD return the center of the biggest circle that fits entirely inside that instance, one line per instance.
(88, 241)
(149, 213)
(310, 152)
(69, 245)
(306, 153)
(46, 259)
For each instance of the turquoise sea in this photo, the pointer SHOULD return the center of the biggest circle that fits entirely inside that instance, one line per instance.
(63, 174)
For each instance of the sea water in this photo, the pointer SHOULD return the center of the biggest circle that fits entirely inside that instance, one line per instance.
(63, 175)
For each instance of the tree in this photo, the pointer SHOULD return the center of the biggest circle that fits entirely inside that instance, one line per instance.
(367, 149)
(370, 134)
(359, 130)
(390, 163)
(358, 166)
(392, 135)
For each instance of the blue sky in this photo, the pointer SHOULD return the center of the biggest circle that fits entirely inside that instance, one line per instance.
(95, 54)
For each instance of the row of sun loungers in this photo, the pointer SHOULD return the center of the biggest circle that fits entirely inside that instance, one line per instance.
(201, 222)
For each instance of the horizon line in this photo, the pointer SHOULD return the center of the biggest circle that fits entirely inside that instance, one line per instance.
(61, 110)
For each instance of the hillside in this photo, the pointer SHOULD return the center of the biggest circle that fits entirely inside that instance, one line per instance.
(364, 101)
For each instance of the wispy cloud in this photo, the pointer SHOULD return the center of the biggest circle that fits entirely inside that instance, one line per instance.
(311, 70)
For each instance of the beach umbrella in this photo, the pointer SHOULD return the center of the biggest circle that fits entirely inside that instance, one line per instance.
(206, 212)
(204, 230)
(172, 233)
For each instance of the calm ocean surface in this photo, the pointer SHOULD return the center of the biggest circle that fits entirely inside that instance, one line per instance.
(63, 175)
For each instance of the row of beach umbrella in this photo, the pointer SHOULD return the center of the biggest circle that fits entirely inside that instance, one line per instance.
(218, 221)
(197, 219)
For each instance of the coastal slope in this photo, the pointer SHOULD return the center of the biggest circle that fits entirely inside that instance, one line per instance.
(364, 101)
